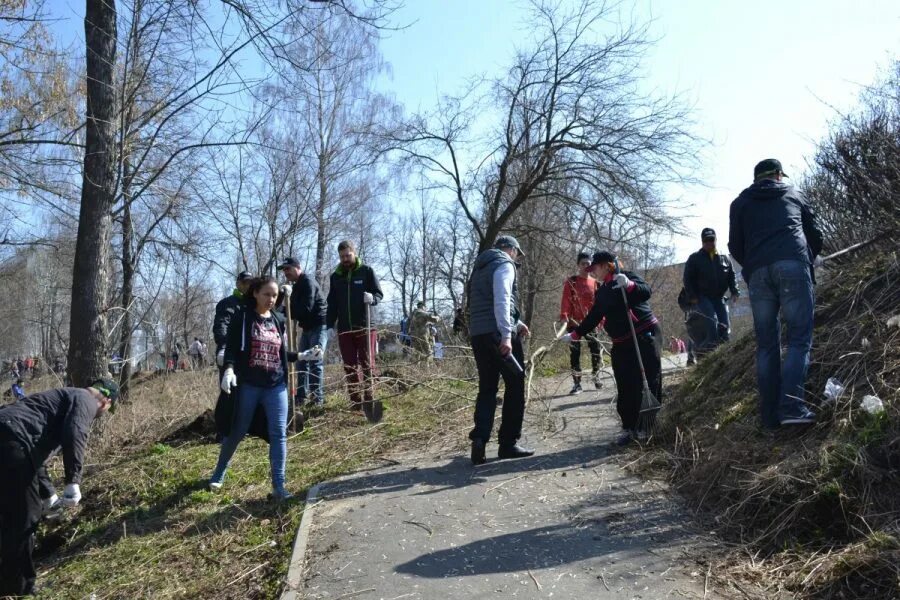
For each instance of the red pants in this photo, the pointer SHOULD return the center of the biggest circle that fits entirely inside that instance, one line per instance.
(356, 349)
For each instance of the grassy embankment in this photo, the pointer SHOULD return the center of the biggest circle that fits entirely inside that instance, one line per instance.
(813, 512)
(148, 527)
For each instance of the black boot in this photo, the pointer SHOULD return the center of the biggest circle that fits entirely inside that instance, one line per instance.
(478, 457)
(514, 451)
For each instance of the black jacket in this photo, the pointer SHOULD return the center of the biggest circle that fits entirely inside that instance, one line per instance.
(772, 221)
(609, 307)
(225, 310)
(709, 276)
(308, 306)
(237, 349)
(346, 308)
(46, 421)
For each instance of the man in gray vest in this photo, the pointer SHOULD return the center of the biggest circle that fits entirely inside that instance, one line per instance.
(497, 333)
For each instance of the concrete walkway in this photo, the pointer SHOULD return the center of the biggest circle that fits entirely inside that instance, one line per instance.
(568, 522)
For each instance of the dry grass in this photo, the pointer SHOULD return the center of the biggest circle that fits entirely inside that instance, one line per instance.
(148, 528)
(816, 512)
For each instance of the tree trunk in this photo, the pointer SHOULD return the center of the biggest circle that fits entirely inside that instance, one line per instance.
(321, 275)
(87, 332)
(127, 323)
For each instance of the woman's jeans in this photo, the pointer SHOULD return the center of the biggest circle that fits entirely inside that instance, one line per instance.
(311, 373)
(275, 403)
(783, 287)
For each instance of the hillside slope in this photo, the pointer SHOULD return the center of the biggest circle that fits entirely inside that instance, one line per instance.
(815, 512)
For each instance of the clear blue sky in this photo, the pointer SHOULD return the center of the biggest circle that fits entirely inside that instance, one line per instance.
(765, 76)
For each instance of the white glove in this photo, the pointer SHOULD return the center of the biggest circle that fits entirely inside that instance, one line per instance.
(51, 503)
(314, 353)
(818, 261)
(220, 357)
(71, 496)
(287, 290)
(368, 298)
(229, 380)
(566, 337)
(621, 281)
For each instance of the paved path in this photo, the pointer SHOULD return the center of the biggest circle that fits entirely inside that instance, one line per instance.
(568, 522)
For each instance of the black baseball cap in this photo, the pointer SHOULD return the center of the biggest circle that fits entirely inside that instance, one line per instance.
(583, 256)
(290, 262)
(108, 388)
(508, 241)
(603, 257)
(769, 166)
(708, 233)
(244, 276)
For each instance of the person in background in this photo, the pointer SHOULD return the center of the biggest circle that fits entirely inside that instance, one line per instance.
(309, 310)
(496, 333)
(707, 276)
(610, 309)
(577, 299)
(30, 431)
(353, 289)
(256, 357)
(420, 330)
(774, 236)
(18, 389)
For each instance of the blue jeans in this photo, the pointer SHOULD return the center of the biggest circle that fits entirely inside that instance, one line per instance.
(312, 372)
(787, 286)
(715, 313)
(275, 402)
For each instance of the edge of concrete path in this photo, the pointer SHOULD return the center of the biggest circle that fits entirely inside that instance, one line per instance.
(298, 554)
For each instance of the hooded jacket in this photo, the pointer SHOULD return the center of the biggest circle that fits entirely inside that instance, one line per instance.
(308, 307)
(772, 221)
(609, 310)
(346, 308)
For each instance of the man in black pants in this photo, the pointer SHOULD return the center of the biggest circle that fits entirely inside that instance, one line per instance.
(30, 431)
(496, 333)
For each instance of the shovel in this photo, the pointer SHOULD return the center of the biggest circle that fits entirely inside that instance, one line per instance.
(373, 409)
(649, 404)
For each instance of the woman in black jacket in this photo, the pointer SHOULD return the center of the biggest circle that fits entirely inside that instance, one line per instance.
(256, 355)
(610, 311)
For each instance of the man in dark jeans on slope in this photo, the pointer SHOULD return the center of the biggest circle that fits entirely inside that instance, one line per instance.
(497, 333)
(774, 236)
(707, 276)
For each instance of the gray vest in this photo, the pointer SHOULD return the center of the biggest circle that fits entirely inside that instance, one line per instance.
(481, 293)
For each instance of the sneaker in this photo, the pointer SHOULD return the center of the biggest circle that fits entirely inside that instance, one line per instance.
(805, 418)
(597, 383)
(691, 362)
(576, 389)
(215, 486)
(625, 438)
(477, 455)
(280, 495)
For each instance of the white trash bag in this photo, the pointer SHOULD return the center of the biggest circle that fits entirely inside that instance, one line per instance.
(834, 389)
(872, 405)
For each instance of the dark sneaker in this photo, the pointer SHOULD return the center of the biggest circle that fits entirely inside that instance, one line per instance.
(576, 389)
(805, 418)
(478, 457)
(691, 362)
(514, 451)
(625, 438)
(280, 495)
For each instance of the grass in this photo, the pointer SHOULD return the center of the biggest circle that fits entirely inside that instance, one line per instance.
(148, 528)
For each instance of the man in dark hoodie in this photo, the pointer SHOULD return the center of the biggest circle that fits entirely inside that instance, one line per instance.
(30, 431)
(225, 310)
(774, 236)
(354, 288)
(497, 333)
